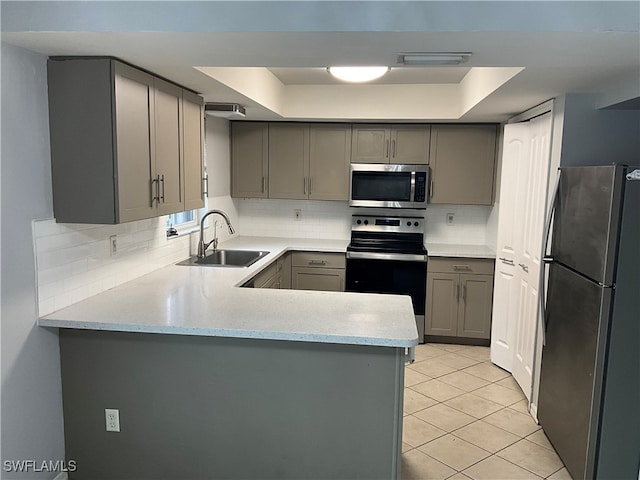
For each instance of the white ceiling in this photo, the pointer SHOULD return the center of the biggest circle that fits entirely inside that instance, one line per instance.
(561, 47)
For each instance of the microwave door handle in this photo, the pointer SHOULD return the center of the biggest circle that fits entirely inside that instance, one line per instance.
(413, 186)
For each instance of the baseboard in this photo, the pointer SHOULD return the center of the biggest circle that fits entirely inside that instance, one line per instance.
(61, 476)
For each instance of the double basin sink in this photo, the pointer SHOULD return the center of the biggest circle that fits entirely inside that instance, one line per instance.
(226, 258)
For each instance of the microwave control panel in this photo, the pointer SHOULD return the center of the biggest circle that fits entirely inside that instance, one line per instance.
(421, 187)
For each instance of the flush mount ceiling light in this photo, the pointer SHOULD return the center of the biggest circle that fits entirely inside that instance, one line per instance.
(357, 74)
(439, 58)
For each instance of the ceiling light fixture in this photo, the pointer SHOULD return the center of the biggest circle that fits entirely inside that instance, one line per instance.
(357, 74)
(441, 58)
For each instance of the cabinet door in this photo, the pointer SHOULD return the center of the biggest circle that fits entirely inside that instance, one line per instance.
(192, 150)
(443, 291)
(329, 156)
(249, 159)
(288, 161)
(284, 271)
(134, 105)
(410, 144)
(168, 151)
(474, 315)
(370, 143)
(462, 164)
(323, 279)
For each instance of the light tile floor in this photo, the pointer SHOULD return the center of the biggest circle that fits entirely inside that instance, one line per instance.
(466, 418)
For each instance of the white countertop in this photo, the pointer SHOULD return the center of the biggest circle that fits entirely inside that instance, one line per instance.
(459, 250)
(207, 301)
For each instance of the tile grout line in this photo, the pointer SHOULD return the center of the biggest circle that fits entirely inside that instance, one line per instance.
(451, 432)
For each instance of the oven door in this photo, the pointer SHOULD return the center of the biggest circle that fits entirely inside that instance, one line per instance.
(386, 273)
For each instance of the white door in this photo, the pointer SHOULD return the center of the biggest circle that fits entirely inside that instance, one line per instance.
(515, 158)
(532, 207)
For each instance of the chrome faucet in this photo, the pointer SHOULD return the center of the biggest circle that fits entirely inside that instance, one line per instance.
(202, 247)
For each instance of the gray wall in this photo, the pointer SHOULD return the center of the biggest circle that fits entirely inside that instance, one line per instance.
(31, 391)
(598, 137)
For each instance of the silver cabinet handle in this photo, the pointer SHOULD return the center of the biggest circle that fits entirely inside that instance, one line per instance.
(387, 149)
(461, 267)
(393, 148)
(153, 197)
(508, 261)
(524, 267)
(305, 185)
(264, 183)
(317, 262)
(457, 292)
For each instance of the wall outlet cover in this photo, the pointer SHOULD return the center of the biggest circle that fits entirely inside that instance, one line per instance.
(297, 214)
(112, 417)
(450, 217)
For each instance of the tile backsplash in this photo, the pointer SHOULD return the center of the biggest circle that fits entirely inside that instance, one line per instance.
(471, 225)
(332, 220)
(276, 218)
(75, 262)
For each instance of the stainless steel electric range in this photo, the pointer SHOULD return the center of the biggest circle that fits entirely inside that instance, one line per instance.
(387, 255)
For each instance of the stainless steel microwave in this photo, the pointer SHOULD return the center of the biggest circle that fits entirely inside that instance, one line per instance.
(389, 185)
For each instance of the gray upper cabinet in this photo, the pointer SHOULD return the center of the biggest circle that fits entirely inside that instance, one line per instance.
(249, 159)
(463, 164)
(116, 142)
(289, 160)
(329, 154)
(168, 150)
(408, 144)
(193, 150)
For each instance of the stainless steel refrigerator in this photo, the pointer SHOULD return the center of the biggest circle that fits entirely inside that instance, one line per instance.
(589, 399)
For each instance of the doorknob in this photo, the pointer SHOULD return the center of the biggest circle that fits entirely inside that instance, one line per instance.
(524, 267)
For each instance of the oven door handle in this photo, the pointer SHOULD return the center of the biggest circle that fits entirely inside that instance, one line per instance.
(403, 257)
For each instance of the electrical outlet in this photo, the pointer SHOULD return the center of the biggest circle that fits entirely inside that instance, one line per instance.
(113, 245)
(450, 218)
(297, 214)
(112, 416)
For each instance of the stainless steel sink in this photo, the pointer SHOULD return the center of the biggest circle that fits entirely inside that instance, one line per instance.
(226, 258)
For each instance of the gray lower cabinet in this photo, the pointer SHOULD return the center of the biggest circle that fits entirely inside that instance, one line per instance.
(459, 297)
(276, 275)
(463, 164)
(318, 271)
(408, 144)
(120, 139)
(232, 408)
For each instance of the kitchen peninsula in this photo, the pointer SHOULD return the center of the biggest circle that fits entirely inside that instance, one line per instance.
(218, 381)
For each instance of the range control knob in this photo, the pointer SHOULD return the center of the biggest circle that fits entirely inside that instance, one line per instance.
(416, 224)
(366, 222)
(358, 222)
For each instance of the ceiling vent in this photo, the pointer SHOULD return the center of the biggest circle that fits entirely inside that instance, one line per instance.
(433, 58)
(225, 110)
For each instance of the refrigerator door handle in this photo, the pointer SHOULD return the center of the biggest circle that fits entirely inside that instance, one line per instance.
(547, 259)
